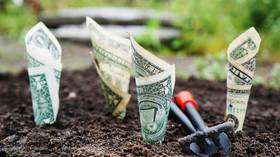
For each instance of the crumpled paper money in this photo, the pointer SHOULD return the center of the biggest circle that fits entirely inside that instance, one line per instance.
(112, 58)
(155, 80)
(44, 71)
(242, 64)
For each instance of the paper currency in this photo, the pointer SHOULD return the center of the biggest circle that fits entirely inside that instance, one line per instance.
(112, 59)
(155, 81)
(242, 63)
(44, 70)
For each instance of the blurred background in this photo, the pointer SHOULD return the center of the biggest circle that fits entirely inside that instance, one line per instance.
(193, 34)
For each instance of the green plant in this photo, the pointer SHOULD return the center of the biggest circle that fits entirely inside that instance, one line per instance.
(149, 38)
(217, 71)
(274, 79)
(200, 65)
(212, 67)
(207, 27)
(258, 79)
(210, 26)
(15, 19)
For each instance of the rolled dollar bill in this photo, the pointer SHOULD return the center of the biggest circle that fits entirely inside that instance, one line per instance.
(44, 71)
(242, 63)
(155, 81)
(112, 59)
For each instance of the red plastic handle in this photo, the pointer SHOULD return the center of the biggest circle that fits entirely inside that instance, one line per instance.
(185, 97)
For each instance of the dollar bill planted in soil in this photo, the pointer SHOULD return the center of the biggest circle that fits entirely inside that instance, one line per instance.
(241, 67)
(44, 70)
(155, 81)
(112, 58)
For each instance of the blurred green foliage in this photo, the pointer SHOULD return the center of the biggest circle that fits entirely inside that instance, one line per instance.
(211, 67)
(148, 39)
(207, 26)
(274, 79)
(214, 67)
(14, 19)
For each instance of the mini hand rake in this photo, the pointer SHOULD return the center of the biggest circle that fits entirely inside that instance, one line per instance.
(202, 141)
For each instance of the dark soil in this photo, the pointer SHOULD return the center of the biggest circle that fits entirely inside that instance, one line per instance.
(84, 128)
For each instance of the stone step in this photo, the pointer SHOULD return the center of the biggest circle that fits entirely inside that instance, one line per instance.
(81, 34)
(107, 15)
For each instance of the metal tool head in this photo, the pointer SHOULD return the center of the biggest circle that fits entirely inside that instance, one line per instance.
(212, 141)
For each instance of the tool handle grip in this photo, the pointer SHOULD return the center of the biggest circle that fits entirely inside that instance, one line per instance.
(185, 97)
(184, 120)
(188, 104)
(195, 117)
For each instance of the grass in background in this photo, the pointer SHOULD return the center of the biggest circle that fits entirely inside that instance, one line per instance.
(207, 27)
(14, 20)
(274, 77)
(210, 27)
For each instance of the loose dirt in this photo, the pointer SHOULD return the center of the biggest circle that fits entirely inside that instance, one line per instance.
(84, 128)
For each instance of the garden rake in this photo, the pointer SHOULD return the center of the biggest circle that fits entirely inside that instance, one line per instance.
(203, 140)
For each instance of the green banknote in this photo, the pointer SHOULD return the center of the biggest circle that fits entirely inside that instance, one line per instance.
(44, 70)
(40, 79)
(112, 58)
(242, 63)
(155, 81)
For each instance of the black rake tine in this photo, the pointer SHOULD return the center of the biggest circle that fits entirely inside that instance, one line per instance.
(212, 133)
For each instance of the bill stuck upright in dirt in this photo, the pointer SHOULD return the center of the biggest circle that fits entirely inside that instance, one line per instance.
(242, 63)
(155, 81)
(112, 59)
(44, 69)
